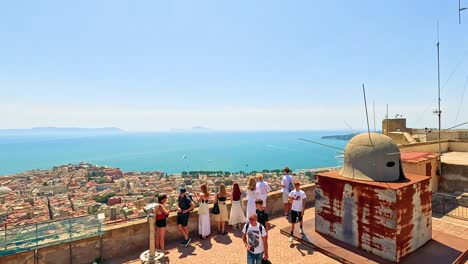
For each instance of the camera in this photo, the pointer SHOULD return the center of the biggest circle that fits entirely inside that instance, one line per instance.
(251, 249)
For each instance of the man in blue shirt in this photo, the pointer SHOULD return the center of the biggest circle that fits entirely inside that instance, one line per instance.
(183, 213)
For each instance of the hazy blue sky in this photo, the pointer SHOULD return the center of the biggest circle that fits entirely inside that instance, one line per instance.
(155, 65)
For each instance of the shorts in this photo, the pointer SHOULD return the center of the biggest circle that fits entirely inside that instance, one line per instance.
(295, 215)
(161, 222)
(285, 197)
(183, 219)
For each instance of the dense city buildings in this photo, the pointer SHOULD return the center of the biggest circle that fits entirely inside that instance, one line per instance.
(75, 190)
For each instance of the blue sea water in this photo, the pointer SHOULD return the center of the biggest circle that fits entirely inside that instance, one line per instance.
(172, 152)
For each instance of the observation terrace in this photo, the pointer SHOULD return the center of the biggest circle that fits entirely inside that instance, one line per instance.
(124, 242)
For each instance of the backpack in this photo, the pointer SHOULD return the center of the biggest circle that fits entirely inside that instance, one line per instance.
(248, 224)
(188, 201)
(290, 186)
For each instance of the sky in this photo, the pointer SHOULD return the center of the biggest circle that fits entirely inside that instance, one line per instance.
(230, 65)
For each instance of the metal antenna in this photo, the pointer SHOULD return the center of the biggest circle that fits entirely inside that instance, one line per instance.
(459, 11)
(373, 106)
(367, 115)
(438, 88)
(461, 99)
(315, 142)
(387, 120)
(464, 123)
(348, 125)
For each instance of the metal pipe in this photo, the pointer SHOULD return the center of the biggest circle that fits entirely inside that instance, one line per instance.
(438, 89)
(152, 246)
(70, 232)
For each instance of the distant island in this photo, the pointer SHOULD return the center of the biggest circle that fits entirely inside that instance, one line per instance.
(60, 130)
(340, 137)
(193, 129)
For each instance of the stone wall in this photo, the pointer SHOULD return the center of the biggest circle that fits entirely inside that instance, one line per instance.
(127, 239)
(458, 146)
(432, 146)
(454, 178)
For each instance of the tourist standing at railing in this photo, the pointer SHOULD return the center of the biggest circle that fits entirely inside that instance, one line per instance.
(161, 220)
(237, 216)
(183, 213)
(262, 189)
(251, 197)
(287, 187)
(222, 217)
(204, 227)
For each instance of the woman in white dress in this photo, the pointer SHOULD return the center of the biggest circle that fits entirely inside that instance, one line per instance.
(251, 197)
(222, 217)
(204, 228)
(237, 213)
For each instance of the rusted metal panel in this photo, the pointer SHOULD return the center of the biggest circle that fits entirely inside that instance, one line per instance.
(388, 220)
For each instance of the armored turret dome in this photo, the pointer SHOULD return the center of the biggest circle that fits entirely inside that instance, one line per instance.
(372, 157)
(4, 190)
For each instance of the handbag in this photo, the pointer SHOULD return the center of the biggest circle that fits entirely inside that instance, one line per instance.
(266, 261)
(215, 209)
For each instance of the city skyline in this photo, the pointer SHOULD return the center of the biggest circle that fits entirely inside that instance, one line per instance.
(229, 66)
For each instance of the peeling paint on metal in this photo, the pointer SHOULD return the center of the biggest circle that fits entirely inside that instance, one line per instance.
(388, 220)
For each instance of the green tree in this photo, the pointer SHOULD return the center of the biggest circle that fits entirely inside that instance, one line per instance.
(228, 182)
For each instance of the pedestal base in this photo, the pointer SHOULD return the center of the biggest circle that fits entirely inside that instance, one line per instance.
(145, 257)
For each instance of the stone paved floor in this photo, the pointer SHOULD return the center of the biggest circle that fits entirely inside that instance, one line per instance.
(449, 225)
(229, 249)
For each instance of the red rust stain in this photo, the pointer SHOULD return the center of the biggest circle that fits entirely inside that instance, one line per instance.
(426, 198)
(405, 219)
(371, 225)
(333, 190)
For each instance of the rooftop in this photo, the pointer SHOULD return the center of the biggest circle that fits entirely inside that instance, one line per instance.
(414, 157)
(455, 158)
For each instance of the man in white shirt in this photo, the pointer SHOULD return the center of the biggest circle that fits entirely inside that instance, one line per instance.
(262, 189)
(297, 199)
(287, 184)
(255, 239)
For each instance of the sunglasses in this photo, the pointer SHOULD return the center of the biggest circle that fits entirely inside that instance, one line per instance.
(252, 219)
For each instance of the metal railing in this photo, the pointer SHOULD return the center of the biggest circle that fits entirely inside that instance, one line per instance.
(450, 205)
(24, 238)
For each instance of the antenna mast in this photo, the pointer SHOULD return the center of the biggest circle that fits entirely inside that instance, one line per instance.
(367, 115)
(387, 120)
(373, 106)
(438, 89)
(459, 11)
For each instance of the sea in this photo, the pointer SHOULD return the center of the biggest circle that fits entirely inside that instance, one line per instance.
(173, 152)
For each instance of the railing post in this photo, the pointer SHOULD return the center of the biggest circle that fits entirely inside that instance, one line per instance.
(37, 240)
(70, 232)
(5, 237)
(100, 240)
